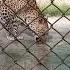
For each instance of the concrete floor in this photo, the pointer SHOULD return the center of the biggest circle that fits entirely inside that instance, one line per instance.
(26, 60)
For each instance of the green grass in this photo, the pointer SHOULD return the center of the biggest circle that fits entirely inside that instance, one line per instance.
(53, 11)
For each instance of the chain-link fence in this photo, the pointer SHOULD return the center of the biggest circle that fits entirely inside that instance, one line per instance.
(20, 22)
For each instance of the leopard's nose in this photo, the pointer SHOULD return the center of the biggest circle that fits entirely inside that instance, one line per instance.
(36, 38)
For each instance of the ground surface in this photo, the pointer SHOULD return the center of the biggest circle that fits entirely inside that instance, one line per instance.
(18, 52)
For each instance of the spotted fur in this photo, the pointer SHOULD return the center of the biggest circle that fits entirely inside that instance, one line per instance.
(28, 11)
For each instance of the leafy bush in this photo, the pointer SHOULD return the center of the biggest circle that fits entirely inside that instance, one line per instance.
(53, 11)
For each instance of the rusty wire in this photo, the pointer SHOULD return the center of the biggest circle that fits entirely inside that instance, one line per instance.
(28, 49)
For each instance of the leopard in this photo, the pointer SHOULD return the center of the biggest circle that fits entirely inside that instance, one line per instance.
(29, 12)
(30, 17)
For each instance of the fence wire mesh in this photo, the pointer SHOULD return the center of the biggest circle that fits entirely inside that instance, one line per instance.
(18, 48)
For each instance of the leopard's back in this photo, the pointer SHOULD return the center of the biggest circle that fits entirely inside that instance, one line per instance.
(27, 11)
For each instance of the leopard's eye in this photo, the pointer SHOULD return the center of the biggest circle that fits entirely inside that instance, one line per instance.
(5, 13)
(5, 10)
(2, 13)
